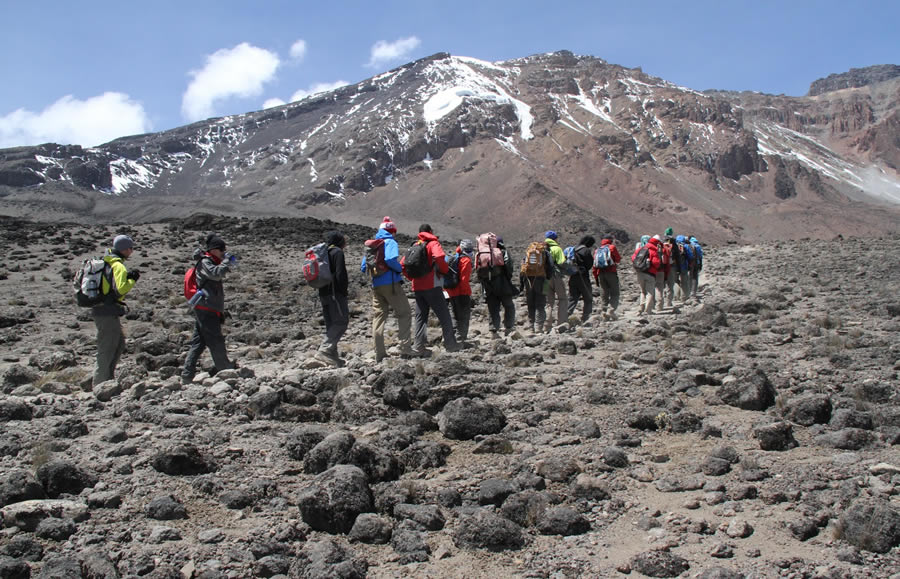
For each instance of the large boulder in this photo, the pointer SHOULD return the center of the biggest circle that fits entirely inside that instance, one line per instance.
(332, 500)
(18, 486)
(486, 530)
(749, 390)
(465, 418)
(776, 436)
(60, 476)
(808, 409)
(183, 459)
(871, 524)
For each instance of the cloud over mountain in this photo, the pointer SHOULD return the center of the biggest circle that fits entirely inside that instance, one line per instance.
(384, 52)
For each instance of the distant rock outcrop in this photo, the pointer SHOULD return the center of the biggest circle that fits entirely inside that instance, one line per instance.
(854, 78)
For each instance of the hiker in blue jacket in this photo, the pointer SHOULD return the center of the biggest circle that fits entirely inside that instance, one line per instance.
(684, 268)
(387, 289)
(696, 265)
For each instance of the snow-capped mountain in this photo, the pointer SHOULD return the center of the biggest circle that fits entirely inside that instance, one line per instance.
(548, 141)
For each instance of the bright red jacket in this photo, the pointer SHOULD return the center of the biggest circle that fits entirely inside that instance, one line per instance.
(463, 288)
(614, 254)
(666, 257)
(435, 260)
(655, 262)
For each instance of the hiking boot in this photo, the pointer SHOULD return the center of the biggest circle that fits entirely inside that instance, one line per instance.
(455, 347)
(329, 357)
(380, 357)
(187, 379)
(420, 353)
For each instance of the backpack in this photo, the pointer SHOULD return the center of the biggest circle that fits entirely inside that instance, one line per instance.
(88, 283)
(641, 259)
(487, 254)
(191, 286)
(416, 261)
(698, 256)
(603, 257)
(375, 264)
(451, 278)
(570, 267)
(316, 266)
(533, 264)
(665, 254)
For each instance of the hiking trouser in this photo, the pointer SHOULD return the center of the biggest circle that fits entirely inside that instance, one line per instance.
(384, 298)
(659, 285)
(110, 347)
(695, 281)
(536, 301)
(207, 334)
(684, 284)
(462, 312)
(557, 293)
(426, 301)
(580, 288)
(609, 288)
(647, 283)
(509, 311)
(337, 318)
(670, 286)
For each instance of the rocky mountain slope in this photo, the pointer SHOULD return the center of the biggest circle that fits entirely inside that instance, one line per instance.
(751, 432)
(552, 140)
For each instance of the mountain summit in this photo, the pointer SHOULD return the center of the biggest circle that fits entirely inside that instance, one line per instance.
(559, 140)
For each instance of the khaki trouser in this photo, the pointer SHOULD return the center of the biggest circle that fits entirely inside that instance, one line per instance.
(384, 298)
(647, 282)
(557, 293)
(110, 347)
(659, 287)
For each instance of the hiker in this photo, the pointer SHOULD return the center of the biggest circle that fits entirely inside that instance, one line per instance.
(672, 267)
(580, 282)
(606, 276)
(383, 265)
(696, 265)
(684, 268)
(556, 291)
(424, 266)
(333, 297)
(647, 279)
(665, 263)
(499, 291)
(645, 239)
(209, 313)
(537, 269)
(110, 336)
(461, 293)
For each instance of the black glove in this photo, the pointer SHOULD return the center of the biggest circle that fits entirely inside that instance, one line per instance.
(134, 274)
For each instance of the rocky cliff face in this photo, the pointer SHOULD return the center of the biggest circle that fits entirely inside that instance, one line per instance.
(854, 78)
(517, 146)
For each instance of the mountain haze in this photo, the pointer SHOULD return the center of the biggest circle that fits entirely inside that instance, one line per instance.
(551, 140)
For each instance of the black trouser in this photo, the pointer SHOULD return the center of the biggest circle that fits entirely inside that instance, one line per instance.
(427, 300)
(462, 313)
(207, 334)
(536, 300)
(337, 318)
(580, 287)
(509, 311)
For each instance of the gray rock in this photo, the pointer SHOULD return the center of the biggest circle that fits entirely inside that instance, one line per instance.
(720, 573)
(871, 524)
(424, 454)
(211, 536)
(183, 460)
(494, 491)
(236, 499)
(60, 476)
(303, 439)
(749, 390)
(27, 514)
(714, 466)
(106, 391)
(803, 529)
(590, 487)
(410, 543)
(14, 409)
(808, 409)
(333, 450)
(485, 530)
(160, 534)
(271, 566)
(465, 418)
(60, 568)
(428, 517)
(55, 529)
(493, 445)
(11, 568)
(326, 559)
(558, 468)
(165, 508)
(676, 484)
(334, 498)
(354, 405)
(846, 439)
(850, 418)
(378, 464)
(23, 547)
(372, 529)
(20, 485)
(659, 564)
(526, 508)
(562, 521)
(775, 436)
(615, 457)
(17, 375)
(264, 402)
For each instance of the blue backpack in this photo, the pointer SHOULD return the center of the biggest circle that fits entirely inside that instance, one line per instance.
(570, 267)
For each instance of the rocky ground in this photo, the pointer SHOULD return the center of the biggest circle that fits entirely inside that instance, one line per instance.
(751, 432)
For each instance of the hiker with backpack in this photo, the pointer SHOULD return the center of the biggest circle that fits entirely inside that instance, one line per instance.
(537, 268)
(604, 268)
(696, 265)
(499, 291)
(212, 265)
(665, 263)
(580, 282)
(115, 283)
(382, 263)
(672, 267)
(684, 267)
(646, 263)
(425, 266)
(557, 291)
(458, 287)
(333, 297)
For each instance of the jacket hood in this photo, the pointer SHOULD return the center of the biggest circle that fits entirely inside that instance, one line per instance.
(111, 256)
(694, 240)
(551, 242)
(679, 238)
(655, 242)
(427, 237)
(606, 242)
(645, 239)
(383, 234)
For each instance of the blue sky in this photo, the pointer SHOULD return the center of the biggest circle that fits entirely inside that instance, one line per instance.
(88, 72)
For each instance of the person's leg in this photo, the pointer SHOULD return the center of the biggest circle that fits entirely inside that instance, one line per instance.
(380, 307)
(397, 298)
(197, 346)
(540, 313)
(574, 294)
(588, 297)
(550, 301)
(340, 319)
(659, 283)
(109, 342)
(563, 304)
(464, 305)
(509, 313)
(605, 294)
(211, 329)
(421, 333)
(493, 305)
(438, 304)
(650, 290)
(612, 280)
(695, 281)
(531, 303)
(670, 287)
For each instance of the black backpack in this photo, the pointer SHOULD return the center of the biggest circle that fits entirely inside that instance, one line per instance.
(416, 261)
(641, 260)
(451, 278)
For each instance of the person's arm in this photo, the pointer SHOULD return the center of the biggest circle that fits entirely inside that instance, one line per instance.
(209, 270)
(437, 255)
(341, 279)
(465, 270)
(120, 277)
(392, 255)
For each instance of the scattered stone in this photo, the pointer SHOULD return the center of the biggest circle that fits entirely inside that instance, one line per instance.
(372, 529)
(106, 391)
(486, 530)
(60, 476)
(738, 529)
(464, 418)
(18, 486)
(846, 439)
(494, 491)
(14, 409)
(160, 534)
(809, 409)
(871, 524)
(615, 457)
(562, 521)
(775, 436)
(183, 460)
(659, 564)
(428, 517)
(165, 508)
(748, 389)
(334, 498)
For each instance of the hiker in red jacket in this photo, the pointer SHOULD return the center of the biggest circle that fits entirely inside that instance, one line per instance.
(607, 278)
(429, 294)
(647, 279)
(461, 295)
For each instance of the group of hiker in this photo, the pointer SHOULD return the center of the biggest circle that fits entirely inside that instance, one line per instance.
(554, 280)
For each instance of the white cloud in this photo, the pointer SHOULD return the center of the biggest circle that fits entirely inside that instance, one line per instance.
(240, 71)
(298, 50)
(384, 52)
(273, 102)
(317, 88)
(69, 121)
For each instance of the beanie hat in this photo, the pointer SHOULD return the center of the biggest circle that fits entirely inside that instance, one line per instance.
(657, 237)
(669, 231)
(550, 234)
(388, 225)
(335, 238)
(645, 239)
(466, 246)
(213, 241)
(122, 242)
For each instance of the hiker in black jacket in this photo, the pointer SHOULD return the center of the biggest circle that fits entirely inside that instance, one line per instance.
(580, 282)
(335, 309)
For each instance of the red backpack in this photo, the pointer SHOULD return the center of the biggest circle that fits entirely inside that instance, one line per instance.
(190, 281)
